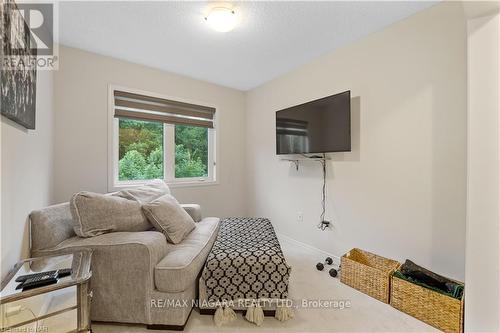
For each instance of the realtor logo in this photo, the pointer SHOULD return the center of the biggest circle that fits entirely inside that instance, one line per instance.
(39, 19)
(28, 35)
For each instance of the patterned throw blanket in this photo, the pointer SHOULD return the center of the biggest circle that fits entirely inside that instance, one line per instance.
(246, 262)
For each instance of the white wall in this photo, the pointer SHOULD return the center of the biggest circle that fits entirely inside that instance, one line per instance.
(401, 192)
(483, 217)
(81, 148)
(26, 173)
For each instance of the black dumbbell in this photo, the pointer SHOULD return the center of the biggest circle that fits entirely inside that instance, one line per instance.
(320, 266)
(334, 272)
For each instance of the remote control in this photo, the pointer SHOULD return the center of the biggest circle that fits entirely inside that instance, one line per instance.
(64, 272)
(23, 278)
(39, 281)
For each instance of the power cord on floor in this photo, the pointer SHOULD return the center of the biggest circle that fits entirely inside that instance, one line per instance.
(15, 310)
(34, 316)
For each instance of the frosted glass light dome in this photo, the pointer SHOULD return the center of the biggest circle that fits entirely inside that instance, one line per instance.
(221, 19)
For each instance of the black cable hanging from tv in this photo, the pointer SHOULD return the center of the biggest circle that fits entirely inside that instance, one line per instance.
(323, 224)
(323, 194)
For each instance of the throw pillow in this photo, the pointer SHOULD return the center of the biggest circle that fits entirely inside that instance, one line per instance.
(95, 214)
(169, 217)
(145, 193)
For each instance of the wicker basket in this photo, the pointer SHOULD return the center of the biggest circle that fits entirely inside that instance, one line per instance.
(368, 272)
(441, 311)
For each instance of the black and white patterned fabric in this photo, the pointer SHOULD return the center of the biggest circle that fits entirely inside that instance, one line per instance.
(246, 262)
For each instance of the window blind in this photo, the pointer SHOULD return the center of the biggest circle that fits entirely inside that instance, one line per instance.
(142, 107)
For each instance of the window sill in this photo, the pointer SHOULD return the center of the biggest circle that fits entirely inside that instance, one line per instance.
(193, 183)
(122, 186)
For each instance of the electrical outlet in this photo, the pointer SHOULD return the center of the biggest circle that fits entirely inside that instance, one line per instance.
(300, 216)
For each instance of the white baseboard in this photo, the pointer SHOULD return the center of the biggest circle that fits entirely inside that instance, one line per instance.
(336, 259)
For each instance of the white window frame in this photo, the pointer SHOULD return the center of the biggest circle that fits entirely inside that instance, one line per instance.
(114, 184)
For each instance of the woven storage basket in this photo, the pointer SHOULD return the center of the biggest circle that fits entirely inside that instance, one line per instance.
(368, 272)
(441, 311)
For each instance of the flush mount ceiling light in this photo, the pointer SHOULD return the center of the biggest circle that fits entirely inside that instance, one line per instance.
(221, 19)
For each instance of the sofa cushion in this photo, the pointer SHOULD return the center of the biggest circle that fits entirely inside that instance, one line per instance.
(95, 214)
(169, 217)
(145, 193)
(181, 266)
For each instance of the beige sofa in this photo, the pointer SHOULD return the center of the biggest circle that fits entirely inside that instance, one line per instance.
(137, 277)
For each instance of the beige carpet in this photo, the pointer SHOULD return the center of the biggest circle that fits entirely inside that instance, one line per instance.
(365, 314)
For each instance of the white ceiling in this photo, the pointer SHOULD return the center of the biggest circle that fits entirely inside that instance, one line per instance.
(271, 39)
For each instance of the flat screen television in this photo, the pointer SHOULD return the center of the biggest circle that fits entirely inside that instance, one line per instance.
(320, 126)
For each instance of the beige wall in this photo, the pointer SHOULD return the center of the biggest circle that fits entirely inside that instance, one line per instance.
(81, 146)
(401, 192)
(27, 173)
(483, 218)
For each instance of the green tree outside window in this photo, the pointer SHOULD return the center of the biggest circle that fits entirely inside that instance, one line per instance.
(141, 150)
(191, 151)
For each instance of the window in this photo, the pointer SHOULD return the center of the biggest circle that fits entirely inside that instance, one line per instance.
(191, 151)
(140, 150)
(156, 138)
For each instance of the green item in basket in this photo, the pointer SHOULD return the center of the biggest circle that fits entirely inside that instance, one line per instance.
(456, 290)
